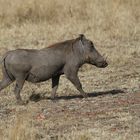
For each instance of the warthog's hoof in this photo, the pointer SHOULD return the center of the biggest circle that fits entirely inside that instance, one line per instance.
(54, 99)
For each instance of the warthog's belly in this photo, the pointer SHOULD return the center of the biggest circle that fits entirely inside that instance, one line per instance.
(42, 73)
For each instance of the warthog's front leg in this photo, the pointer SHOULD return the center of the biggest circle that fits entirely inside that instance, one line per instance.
(55, 83)
(72, 76)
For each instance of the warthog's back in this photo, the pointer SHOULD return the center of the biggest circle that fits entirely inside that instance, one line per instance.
(20, 59)
(43, 64)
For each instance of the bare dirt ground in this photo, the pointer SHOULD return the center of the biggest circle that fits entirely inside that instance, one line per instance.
(112, 110)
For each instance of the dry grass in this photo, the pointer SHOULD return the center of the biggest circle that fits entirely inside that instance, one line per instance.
(114, 27)
(99, 19)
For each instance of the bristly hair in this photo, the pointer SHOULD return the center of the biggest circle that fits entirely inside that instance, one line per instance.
(81, 36)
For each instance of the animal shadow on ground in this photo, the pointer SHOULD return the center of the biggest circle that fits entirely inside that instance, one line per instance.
(37, 96)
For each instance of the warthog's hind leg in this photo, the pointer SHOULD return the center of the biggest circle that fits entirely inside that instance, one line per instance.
(20, 80)
(55, 83)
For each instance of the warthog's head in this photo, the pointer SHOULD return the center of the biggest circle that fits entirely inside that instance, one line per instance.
(91, 55)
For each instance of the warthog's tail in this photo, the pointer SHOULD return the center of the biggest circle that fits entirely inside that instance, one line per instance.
(1, 59)
(3, 63)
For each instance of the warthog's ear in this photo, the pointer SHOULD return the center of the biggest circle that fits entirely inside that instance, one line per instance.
(82, 37)
(81, 41)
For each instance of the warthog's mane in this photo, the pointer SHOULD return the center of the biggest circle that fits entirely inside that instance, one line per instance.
(67, 42)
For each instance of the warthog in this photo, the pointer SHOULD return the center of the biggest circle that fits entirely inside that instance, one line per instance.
(51, 62)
